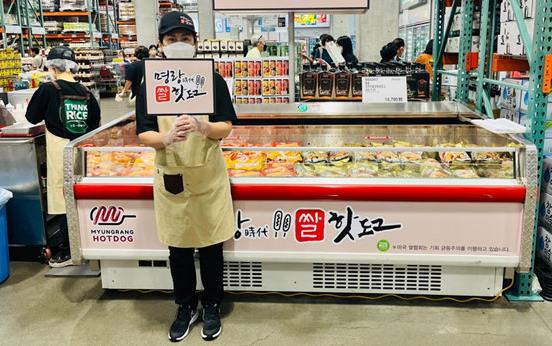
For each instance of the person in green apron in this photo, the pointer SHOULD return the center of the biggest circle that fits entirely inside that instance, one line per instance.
(192, 201)
(69, 110)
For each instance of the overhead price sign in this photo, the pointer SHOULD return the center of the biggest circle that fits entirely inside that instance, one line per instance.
(289, 5)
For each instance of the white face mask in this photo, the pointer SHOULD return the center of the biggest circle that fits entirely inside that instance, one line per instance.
(179, 50)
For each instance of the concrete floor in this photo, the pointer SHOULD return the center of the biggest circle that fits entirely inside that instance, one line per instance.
(36, 310)
(112, 110)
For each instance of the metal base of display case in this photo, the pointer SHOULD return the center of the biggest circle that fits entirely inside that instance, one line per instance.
(319, 277)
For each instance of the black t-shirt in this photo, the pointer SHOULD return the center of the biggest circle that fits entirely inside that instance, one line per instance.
(135, 74)
(45, 105)
(224, 109)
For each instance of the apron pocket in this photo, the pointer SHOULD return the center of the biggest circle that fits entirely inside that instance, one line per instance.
(174, 183)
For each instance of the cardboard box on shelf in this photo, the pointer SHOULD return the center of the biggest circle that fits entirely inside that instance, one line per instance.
(509, 114)
(544, 245)
(546, 184)
(545, 210)
(510, 98)
(453, 45)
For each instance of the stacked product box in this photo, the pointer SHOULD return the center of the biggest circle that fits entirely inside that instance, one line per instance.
(544, 241)
(514, 105)
(256, 80)
(509, 38)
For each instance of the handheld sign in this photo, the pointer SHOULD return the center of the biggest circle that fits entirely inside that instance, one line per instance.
(384, 90)
(179, 86)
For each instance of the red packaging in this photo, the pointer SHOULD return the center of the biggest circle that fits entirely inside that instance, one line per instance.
(251, 87)
(285, 86)
(258, 87)
(285, 66)
(278, 87)
(279, 69)
(228, 68)
(258, 69)
(251, 68)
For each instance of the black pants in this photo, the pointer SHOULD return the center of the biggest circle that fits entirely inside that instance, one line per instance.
(184, 274)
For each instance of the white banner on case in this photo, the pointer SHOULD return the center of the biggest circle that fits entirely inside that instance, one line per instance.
(384, 90)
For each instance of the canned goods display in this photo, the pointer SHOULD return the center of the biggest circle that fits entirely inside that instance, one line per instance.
(256, 81)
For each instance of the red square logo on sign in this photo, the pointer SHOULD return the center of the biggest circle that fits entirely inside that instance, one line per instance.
(309, 225)
(163, 93)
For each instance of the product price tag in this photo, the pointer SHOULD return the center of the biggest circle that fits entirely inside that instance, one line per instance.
(384, 90)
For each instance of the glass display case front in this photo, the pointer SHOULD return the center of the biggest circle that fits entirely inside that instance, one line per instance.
(327, 151)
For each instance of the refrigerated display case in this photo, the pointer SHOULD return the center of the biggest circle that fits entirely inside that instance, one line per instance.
(408, 199)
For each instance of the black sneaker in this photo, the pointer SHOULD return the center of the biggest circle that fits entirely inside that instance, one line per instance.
(211, 322)
(61, 259)
(185, 317)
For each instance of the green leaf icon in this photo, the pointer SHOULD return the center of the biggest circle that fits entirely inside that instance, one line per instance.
(383, 245)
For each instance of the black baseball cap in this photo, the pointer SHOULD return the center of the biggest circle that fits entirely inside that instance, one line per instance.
(176, 20)
(65, 53)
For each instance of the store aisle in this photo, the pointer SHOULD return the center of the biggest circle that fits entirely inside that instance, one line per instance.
(112, 110)
(71, 311)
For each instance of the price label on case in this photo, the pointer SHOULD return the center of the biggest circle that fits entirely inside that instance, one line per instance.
(384, 90)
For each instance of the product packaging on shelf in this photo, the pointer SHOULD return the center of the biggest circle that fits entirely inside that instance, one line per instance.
(546, 184)
(545, 210)
(544, 245)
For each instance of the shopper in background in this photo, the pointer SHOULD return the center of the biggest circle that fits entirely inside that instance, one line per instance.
(347, 50)
(388, 52)
(70, 111)
(321, 55)
(426, 58)
(192, 201)
(153, 51)
(38, 59)
(134, 73)
(399, 42)
(259, 46)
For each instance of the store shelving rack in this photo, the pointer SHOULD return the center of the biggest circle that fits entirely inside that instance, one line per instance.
(483, 66)
(29, 25)
(92, 14)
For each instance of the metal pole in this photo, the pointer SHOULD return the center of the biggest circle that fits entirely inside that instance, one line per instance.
(90, 27)
(28, 24)
(505, 84)
(482, 53)
(447, 31)
(466, 36)
(537, 114)
(42, 23)
(21, 42)
(292, 55)
(437, 38)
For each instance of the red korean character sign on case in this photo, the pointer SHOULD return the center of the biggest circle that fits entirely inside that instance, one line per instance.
(163, 93)
(309, 225)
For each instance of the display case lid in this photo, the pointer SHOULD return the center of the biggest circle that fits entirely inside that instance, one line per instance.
(344, 110)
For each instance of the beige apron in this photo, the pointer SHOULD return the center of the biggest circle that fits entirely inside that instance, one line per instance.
(54, 166)
(193, 204)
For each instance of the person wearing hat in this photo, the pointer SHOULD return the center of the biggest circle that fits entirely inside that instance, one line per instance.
(259, 45)
(69, 110)
(192, 201)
